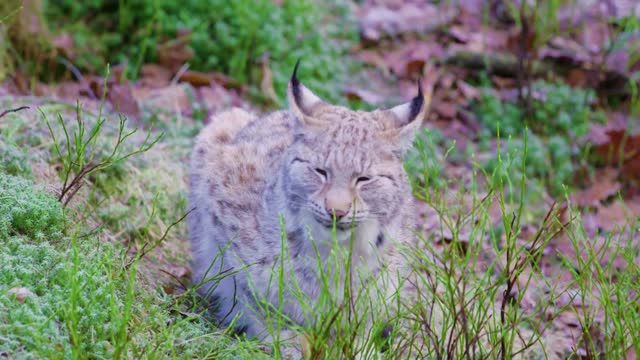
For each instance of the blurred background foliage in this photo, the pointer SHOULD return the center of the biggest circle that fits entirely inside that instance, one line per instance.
(246, 39)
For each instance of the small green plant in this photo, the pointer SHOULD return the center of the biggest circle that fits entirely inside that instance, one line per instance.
(561, 115)
(25, 211)
(235, 38)
(13, 160)
(558, 110)
(611, 325)
(80, 153)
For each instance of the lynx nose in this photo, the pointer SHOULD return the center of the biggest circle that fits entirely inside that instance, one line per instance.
(339, 213)
(338, 202)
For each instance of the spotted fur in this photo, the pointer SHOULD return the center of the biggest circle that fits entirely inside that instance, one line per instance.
(306, 164)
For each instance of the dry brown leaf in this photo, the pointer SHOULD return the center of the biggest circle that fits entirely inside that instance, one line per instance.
(631, 169)
(196, 78)
(176, 52)
(372, 57)
(178, 271)
(69, 90)
(171, 99)
(480, 41)
(445, 109)
(380, 21)
(606, 185)
(214, 97)
(154, 75)
(569, 318)
(468, 91)
(120, 97)
(411, 57)
(615, 215)
(266, 82)
(577, 77)
(21, 293)
(620, 144)
(369, 97)
(64, 44)
(429, 219)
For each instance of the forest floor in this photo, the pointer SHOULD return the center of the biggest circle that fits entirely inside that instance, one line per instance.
(528, 169)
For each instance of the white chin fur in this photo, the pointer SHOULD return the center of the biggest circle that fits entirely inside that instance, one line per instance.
(364, 244)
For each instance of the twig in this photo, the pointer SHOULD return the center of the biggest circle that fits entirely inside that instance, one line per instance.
(146, 250)
(13, 110)
(183, 69)
(76, 72)
(176, 279)
(502, 64)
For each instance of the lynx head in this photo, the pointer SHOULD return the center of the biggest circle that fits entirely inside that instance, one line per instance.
(346, 163)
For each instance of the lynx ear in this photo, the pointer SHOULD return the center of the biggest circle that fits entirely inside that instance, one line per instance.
(408, 119)
(301, 100)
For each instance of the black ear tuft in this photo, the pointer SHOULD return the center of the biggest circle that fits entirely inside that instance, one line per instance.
(294, 76)
(295, 83)
(416, 103)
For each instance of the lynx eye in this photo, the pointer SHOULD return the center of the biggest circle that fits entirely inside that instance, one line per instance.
(321, 172)
(362, 179)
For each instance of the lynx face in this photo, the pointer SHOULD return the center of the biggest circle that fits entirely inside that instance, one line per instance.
(344, 167)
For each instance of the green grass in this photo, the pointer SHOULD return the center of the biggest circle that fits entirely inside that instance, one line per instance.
(80, 292)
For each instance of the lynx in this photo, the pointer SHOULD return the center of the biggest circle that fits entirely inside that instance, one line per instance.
(327, 171)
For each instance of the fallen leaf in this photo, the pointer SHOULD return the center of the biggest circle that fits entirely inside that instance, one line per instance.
(154, 75)
(70, 90)
(615, 215)
(266, 81)
(176, 52)
(370, 97)
(566, 49)
(214, 97)
(445, 109)
(411, 57)
(372, 57)
(429, 217)
(595, 36)
(605, 186)
(64, 44)
(631, 169)
(577, 77)
(21, 293)
(178, 271)
(170, 99)
(480, 40)
(196, 78)
(380, 21)
(119, 95)
(468, 91)
(619, 146)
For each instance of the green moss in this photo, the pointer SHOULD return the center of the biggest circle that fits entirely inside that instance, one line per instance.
(78, 299)
(25, 210)
(13, 161)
